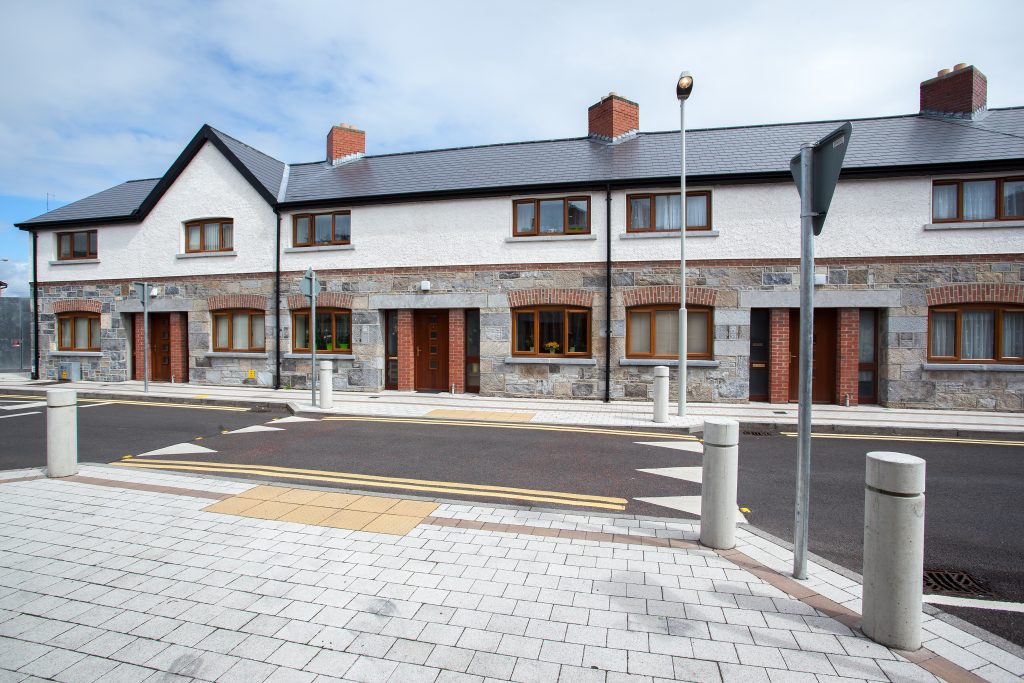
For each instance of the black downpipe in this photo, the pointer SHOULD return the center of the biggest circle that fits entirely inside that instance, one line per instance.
(35, 305)
(608, 296)
(277, 303)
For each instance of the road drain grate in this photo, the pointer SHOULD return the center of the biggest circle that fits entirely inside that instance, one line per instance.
(953, 583)
(754, 432)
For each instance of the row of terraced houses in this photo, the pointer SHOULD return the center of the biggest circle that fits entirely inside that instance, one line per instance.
(550, 268)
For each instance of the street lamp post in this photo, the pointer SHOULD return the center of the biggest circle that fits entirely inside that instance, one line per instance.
(684, 86)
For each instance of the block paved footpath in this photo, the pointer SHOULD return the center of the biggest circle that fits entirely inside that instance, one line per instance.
(122, 575)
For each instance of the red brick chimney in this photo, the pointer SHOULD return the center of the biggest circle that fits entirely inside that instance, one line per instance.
(613, 117)
(961, 92)
(345, 140)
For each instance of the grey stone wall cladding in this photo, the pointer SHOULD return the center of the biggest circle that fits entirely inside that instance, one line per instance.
(902, 343)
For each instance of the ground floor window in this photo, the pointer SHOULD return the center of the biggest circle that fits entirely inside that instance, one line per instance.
(333, 330)
(78, 332)
(653, 332)
(975, 333)
(391, 349)
(551, 331)
(239, 331)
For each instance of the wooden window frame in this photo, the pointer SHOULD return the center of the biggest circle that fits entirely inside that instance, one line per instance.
(62, 344)
(1000, 309)
(653, 309)
(230, 314)
(312, 229)
(538, 353)
(652, 222)
(959, 183)
(536, 216)
(201, 223)
(334, 313)
(92, 245)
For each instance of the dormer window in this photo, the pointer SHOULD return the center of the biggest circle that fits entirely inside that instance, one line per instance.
(209, 234)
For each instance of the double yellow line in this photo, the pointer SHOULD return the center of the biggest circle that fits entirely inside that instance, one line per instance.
(518, 425)
(424, 485)
(918, 439)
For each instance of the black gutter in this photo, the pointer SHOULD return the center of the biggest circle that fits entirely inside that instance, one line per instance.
(608, 296)
(277, 303)
(35, 304)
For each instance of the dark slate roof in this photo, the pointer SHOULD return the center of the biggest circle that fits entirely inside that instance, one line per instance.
(117, 202)
(886, 144)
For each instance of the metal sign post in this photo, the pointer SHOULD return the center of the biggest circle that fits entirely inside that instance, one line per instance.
(142, 293)
(816, 172)
(310, 286)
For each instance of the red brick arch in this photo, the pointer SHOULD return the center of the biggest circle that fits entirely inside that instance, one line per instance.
(224, 301)
(668, 294)
(323, 300)
(975, 294)
(541, 297)
(77, 306)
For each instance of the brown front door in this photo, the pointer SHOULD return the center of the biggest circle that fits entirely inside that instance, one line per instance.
(431, 350)
(160, 347)
(823, 380)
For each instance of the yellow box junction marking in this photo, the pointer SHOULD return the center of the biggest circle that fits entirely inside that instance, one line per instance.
(422, 485)
(318, 508)
(503, 425)
(495, 415)
(918, 439)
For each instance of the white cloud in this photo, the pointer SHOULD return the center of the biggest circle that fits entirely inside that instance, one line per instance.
(97, 93)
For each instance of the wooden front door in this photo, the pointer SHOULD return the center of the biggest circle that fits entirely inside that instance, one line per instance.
(823, 380)
(160, 347)
(431, 350)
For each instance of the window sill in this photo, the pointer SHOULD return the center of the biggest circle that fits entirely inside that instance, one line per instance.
(667, 233)
(326, 247)
(543, 360)
(550, 238)
(319, 355)
(77, 354)
(206, 254)
(974, 225)
(74, 262)
(672, 363)
(972, 367)
(234, 354)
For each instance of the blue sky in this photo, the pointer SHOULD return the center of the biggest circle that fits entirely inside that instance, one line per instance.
(99, 93)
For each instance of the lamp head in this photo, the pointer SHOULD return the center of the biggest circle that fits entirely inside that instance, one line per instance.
(684, 86)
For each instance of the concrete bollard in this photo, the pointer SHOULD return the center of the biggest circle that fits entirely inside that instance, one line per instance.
(893, 549)
(61, 432)
(326, 384)
(718, 483)
(661, 393)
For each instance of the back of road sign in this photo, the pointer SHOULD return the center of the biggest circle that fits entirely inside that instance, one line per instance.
(829, 153)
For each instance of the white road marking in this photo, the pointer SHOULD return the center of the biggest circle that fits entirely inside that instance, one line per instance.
(96, 405)
(694, 474)
(954, 601)
(690, 504)
(692, 446)
(36, 412)
(184, 448)
(293, 418)
(21, 406)
(256, 428)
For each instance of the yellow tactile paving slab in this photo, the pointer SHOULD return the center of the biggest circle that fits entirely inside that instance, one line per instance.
(378, 514)
(496, 415)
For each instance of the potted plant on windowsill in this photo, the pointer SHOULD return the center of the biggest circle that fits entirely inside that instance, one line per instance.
(552, 347)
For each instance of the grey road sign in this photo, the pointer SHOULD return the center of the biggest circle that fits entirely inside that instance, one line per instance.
(829, 153)
(310, 285)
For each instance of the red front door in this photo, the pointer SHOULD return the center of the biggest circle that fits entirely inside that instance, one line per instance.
(431, 350)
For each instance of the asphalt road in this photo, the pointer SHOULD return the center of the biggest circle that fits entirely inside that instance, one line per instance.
(973, 521)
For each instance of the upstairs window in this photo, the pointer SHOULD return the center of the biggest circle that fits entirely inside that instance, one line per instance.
(211, 234)
(78, 332)
(975, 333)
(551, 331)
(76, 245)
(984, 199)
(566, 216)
(333, 330)
(653, 332)
(656, 212)
(237, 330)
(321, 229)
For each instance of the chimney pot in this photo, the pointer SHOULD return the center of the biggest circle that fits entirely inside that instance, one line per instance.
(943, 72)
(345, 140)
(959, 66)
(613, 117)
(960, 93)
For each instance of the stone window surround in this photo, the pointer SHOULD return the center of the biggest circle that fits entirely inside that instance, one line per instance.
(74, 262)
(667, 233)
(670, 362)
(972, 367)
(974, 225)
(206, 254)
